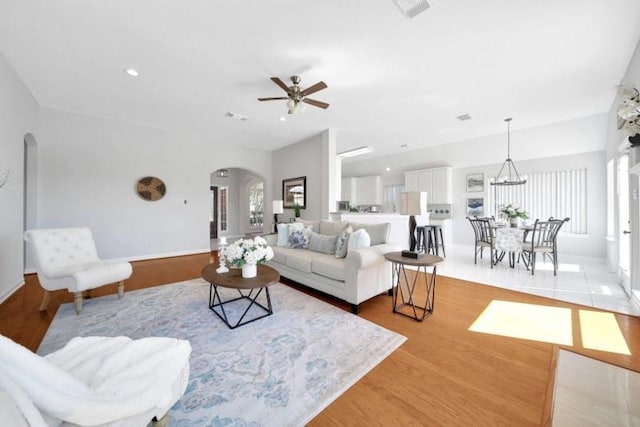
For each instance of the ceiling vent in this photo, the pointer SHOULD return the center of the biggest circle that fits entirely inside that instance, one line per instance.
(412, 8)
(464, 117)
(236, 116)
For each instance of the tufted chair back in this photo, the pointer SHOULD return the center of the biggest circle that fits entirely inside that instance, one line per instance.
(55, 249)
(67, 258)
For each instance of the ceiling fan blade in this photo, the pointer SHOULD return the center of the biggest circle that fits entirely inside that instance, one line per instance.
(273, 99)
(280, 83)
(315, 103)
(313, 89)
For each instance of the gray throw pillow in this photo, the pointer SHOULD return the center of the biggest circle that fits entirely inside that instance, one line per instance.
(323, 244)
(343, 241)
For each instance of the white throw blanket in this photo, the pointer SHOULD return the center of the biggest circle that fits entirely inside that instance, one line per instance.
(98, 380)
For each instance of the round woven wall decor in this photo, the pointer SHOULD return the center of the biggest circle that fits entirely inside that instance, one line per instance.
(151, 188)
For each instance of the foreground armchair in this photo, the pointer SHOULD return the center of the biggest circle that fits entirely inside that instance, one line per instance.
(93, 381)
(66, 258)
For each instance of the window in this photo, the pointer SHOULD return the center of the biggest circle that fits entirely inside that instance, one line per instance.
(256, 193)
(224, 191)
(392, 197)
(558, 194)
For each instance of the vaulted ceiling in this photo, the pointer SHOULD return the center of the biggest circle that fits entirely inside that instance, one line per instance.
(391, 80)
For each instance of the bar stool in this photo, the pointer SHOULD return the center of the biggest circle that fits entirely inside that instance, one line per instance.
(432, 239)
(423, 239)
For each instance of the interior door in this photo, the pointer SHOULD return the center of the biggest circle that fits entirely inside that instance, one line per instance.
(213, 214)
(624, 224)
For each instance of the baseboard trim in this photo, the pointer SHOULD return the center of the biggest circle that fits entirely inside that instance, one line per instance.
(32, 270)
(11, 291)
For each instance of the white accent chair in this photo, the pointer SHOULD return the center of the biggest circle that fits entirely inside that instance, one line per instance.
(66, 258)
(93, 381)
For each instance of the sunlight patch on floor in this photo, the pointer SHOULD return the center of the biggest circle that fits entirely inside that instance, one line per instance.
(526, 321)
(548, 266)
(600, 331)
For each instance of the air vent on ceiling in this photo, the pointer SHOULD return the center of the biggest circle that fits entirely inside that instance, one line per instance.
(464, 117)
(236, 116)
(411, 8)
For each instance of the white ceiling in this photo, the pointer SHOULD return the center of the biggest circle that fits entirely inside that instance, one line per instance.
(391, 80)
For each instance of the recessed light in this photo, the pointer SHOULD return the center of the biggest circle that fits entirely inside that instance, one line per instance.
(282, 119)
(388, 169)
(131, 72)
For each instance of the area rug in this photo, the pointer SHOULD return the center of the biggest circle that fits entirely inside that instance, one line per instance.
(281, 370)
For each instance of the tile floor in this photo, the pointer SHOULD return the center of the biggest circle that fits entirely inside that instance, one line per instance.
(580, 280)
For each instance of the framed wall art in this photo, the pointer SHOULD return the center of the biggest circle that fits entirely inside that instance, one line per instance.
(475, 182)
(294, 192)
(475, 207)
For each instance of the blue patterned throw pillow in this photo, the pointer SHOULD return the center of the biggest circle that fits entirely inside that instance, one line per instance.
(342, 242)
(298, 236)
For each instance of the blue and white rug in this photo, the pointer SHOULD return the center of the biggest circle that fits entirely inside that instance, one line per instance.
(278, 371)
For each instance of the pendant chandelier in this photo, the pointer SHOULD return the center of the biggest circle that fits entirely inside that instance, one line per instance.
(508, 174)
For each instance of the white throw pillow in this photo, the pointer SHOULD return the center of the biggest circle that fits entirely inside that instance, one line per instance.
(283, 234)
(359, 239)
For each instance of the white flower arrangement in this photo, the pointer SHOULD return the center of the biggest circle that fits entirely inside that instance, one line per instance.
(247, 251)
(513, 211)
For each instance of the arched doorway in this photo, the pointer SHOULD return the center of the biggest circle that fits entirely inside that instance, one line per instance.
(236, 204)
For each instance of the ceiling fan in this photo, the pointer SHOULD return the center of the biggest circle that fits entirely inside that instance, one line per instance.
(295, 95)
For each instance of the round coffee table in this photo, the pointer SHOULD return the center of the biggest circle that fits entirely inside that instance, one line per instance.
(233, 279)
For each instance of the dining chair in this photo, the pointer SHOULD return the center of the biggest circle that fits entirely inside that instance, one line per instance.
(543, 240)
(484, 238)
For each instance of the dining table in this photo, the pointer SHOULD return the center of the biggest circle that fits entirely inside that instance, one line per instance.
(509, 240)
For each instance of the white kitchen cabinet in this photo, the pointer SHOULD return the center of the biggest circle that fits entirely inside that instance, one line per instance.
(436, 182)
(363, 190)
(348, 189)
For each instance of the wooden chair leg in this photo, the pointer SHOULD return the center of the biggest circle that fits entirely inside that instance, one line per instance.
(45, 300)
(78, 301)
(121, 289)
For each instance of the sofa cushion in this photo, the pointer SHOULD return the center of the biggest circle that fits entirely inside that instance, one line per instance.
(343, 241)
(280, 254)
(322, 243)
(298, 236)
(359, 239)
(332, 228)
(315, 225)
(379, 233)
(301, 260)
(329, 266)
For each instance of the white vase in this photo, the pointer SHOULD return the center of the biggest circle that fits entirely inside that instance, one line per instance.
(249, 271)
(514, 222)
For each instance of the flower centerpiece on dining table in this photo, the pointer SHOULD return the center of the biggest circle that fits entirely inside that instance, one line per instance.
(248, 253)
(513, 212)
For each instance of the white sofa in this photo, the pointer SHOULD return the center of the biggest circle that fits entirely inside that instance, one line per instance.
(362, 274)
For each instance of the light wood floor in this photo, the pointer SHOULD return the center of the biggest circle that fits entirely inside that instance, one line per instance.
(443, 374)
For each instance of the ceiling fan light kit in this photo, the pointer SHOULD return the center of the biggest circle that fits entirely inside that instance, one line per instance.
(295, 95)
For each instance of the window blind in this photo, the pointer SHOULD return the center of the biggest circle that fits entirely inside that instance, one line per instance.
(558, 194)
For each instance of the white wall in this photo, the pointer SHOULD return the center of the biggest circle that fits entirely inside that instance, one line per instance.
(615, 137)
(88, 170)
(18, 114)
(304, 158)
(593, 244)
